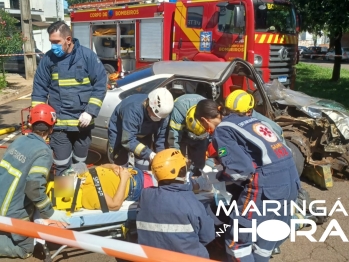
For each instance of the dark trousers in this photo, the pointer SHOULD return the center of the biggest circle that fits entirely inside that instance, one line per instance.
(68, 147)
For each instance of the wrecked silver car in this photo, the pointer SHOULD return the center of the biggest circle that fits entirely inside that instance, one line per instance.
(318, 127)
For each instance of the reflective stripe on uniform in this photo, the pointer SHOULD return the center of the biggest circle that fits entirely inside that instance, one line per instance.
(262, 252)
(175, 125)
(265, 157)
(235, 175)
(165, 228)
(62, 162)
(95, 101)
(43, 203)
(73, 82)
(79, 159)
(10, 192)
(54, 76)
(39, 169)
(71, 122)
(240, 251)
(35, 103)
(139, 149)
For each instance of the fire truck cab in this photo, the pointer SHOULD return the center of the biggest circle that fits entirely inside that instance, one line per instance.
(127, 35)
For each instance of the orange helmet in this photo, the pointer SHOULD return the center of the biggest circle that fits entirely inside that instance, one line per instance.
(43, 113)
(169, 164)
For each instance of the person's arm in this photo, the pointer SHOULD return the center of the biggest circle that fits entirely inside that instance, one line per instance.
(160, 136)
(114, 203)
(98, 79)
(130, 125)
(42, 82)
(238, 166)
(177, 124)
(36, 182)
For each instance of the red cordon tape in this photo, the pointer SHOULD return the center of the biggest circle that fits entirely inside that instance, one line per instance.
(22, 54)
(97, 244)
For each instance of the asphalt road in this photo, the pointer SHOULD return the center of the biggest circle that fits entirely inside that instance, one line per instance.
(324, 63)
(333, 249)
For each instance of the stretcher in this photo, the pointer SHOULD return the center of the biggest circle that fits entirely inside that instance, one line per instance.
(120, 224)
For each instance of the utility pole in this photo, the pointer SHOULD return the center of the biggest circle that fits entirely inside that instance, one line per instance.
(57, 10)
(28, 46)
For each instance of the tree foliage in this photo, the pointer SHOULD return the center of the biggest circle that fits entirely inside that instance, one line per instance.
(330, 14)
(11, 39)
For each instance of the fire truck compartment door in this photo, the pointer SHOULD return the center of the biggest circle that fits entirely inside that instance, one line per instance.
(151, 39)
(82, 32)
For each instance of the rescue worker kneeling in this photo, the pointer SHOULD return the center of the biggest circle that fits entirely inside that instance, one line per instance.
(185, 133)
(133, 124)
(253, 157)
(23, 173)
(170, 216)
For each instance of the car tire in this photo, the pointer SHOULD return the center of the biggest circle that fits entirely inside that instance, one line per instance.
(297, 156)
(311, 57)
(109, 69)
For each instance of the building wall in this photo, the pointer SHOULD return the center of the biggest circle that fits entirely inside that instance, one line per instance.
(41, 40)
(50, 9)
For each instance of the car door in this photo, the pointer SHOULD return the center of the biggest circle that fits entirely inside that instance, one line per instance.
(239, 67)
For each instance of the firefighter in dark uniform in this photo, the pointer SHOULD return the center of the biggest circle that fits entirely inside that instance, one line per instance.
(71, 79)
(135, 123)
(255, 158)
(170, 216)
(23, 177)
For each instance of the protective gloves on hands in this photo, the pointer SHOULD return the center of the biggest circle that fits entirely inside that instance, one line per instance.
(204, 183)
(85, 119)
(151, 156)
(60, 216)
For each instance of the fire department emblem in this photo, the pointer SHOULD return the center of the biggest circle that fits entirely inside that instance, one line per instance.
(205, 41)
(264, 132)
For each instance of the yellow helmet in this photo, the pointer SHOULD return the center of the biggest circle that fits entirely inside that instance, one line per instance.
(239, 101)
(169, 164)
(193, 125)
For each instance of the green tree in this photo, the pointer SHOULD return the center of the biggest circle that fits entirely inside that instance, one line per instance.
(329, 14)
(11, 39)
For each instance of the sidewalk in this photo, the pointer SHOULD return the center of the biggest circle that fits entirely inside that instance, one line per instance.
(17, 86)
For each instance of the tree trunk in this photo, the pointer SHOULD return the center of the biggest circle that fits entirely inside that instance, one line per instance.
(336, 73)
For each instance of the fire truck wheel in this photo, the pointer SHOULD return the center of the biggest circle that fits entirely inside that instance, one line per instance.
(297, 156)
(109, 69)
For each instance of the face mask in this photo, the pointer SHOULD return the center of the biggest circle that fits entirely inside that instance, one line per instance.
(57, 50)
(155, 119)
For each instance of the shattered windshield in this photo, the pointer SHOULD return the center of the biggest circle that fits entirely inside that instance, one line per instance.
(278, 18)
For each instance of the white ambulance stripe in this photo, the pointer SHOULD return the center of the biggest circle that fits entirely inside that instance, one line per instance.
(165, 228)
(265, 158)
(262, 252)
(240, 252)
(120, 246)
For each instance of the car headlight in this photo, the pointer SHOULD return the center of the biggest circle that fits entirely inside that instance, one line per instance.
(258, 60)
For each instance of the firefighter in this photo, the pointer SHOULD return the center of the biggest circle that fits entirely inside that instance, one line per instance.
(133, 124)
(255, 158)
(23, 172)
(185, 133)
(72, 79)
(170, 216)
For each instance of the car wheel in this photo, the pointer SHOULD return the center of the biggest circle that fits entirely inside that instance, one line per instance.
(109, 69)
(297, 157)
(311, 57)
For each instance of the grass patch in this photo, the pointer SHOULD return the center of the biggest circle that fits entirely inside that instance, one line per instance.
(315, 81)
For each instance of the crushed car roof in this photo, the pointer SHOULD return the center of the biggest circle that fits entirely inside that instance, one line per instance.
(203, 70)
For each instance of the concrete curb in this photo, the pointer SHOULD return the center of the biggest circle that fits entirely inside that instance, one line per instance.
(15, 94)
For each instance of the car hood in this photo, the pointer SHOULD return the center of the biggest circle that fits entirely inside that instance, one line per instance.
(314, 107)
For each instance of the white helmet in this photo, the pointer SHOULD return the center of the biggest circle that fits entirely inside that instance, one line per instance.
(161, 102)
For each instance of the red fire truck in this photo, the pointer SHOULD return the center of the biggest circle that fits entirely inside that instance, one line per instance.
(127, 35)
